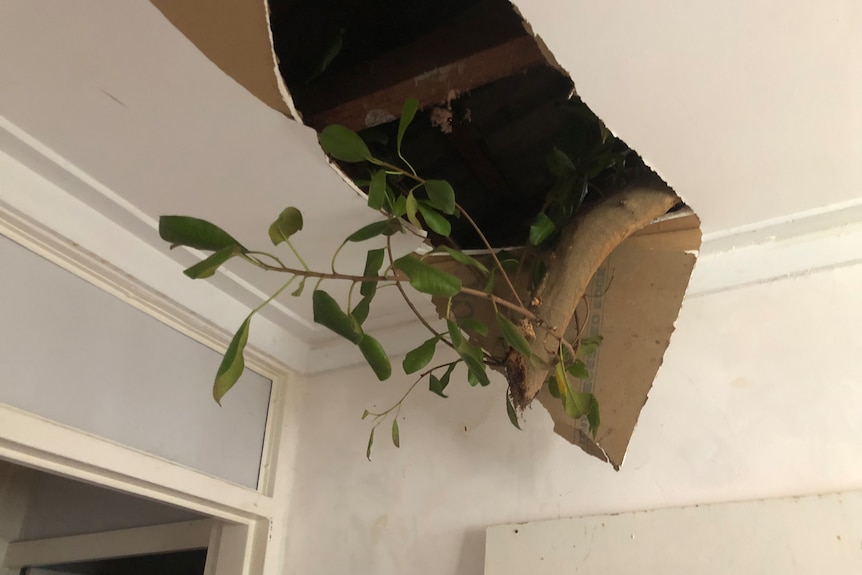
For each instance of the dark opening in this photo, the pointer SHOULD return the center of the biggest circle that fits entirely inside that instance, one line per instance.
(495, 110)
(179, 563)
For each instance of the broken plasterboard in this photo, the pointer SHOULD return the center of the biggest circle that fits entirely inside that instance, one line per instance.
(235, 36)
(633, 302)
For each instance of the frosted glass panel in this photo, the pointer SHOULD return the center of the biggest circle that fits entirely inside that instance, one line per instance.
(75, 354)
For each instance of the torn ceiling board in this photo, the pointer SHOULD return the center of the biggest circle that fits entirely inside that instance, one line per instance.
(632, 302)
(495, 153)
(235, 36)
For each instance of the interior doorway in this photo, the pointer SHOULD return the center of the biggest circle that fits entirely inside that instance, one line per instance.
(52, 525)
(179, 563)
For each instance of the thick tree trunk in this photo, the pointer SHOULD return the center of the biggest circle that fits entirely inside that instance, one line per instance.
(584, 245)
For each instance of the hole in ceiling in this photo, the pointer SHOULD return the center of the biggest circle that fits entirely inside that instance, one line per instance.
(495, 108)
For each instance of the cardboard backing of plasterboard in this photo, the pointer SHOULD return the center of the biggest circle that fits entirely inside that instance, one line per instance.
(634, 299)
(235, 36)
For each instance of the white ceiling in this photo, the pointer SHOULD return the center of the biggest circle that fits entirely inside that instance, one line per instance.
(751, 111)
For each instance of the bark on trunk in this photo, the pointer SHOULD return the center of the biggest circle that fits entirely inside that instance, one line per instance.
(584, 245)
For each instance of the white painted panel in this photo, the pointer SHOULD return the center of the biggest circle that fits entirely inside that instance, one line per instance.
(819, 534)
(74, 354)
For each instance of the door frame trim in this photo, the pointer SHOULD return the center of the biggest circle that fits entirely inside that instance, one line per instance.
(33, 441)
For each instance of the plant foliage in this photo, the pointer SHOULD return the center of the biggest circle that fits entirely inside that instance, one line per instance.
(397, 191)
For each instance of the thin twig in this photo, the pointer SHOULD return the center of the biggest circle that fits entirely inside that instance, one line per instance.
(410, 303)
(378, 416)
(520, 309)
(256, 253)
(321, 275)
(565, 343)
(492, 252)
(586, 322)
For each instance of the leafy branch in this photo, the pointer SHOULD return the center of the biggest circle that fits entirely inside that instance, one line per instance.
(427, 205)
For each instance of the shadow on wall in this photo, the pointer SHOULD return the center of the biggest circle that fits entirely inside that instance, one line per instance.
(472, 557)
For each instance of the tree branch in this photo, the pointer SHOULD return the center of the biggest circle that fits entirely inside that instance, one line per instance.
(584, 244)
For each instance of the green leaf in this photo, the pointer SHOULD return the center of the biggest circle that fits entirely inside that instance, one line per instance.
(438, 385)
(334, 47)
(562, 381)
(418, 358)
(370, 443)
(407, 114)
(562, 192)
(474, 325)
(510, 410)
(541, 229)
(376, 357)
(298, 291)
(195, 233)
(328, 314)
(472, 379)
(464, 259)
(455, 334)
(396, 439)
(233, 363)
(373, 263)
(441, 194)
(365, 414)
(361, 310)
(553, 389)
(434, 220)
(427, 279)
(593, 417)
(576, 404)
(559, 163)
(288, 223)
(412, 206)
(513, 336)
(578, 369)
(399, 208)
(208, 266)
(570, 407)
(343, 144)
(589, 345)
(582, 402)
(374, 229)
(472, 357)
(481, 375)
(377, 190)
(435, 385)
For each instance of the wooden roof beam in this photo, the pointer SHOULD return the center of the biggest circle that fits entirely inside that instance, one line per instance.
(469, 53)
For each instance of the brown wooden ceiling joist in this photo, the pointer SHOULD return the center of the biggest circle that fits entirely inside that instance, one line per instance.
(460, 57)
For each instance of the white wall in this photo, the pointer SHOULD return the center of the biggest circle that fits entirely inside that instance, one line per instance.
(758, 397)
(74, 354)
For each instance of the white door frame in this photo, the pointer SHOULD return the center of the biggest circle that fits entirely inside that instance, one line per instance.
(33, 441)
(151, 540)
